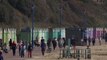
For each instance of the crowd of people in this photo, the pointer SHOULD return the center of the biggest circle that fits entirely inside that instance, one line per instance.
(23, 47)
(48, 46)
(88, 41)
(13, 46)
(92, 41)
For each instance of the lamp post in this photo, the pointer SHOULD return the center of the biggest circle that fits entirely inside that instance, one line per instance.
(61, 17)
(60, 26)
(33, 7)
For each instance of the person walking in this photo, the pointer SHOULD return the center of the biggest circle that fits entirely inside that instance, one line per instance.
(105, 37)
(14, 48)
(64, 44)
(43, 47)
(22, 50)
(85, 40)
(54, 43)
(10, 44)
(49, 44)
(89, 41)
(93, 41)
(19, 44)
(30, 50)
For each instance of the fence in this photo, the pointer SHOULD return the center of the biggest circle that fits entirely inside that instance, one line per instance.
(76, 54)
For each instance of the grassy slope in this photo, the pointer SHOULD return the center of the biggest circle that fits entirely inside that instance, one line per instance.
(47, 13)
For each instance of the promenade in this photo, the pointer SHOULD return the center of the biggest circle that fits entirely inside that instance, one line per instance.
(98, 53)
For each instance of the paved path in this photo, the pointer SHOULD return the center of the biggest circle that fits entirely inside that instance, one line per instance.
(98, 53)
(8, 56)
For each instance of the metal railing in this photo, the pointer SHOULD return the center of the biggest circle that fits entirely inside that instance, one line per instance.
(75, 53)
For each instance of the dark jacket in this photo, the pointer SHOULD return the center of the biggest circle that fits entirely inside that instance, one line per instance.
(43, 45)
(54, 43)
(29, 47)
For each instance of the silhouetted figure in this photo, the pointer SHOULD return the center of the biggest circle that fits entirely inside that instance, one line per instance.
(89, 41)
(64, 44)
(22, 50)
(10, 43)
(19, 45)
(54, 43)
(43, 47)
(85, 40)
(14, 48)
(1, 42)
(42, 39)
(30, 50)
(105, 37)
(93, 41)
(49, 44)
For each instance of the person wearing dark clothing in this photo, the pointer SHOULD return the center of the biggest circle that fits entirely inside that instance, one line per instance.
(49, 44)
(42, 40)
(1, 57)
(54, 43)
(1, 42)
(85, 40)
(59, 41)
(10, 43)
(30, 50)
(19, 50)
(105, 37)
(14, 48)
(89, 41)
(93, 41)
(22, 50)
(64, 42)
(43, 47)
(19, 44)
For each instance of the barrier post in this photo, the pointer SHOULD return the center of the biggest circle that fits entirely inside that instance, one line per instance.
(78, 54)
(68, 48)
(82, 53)
(87, 53)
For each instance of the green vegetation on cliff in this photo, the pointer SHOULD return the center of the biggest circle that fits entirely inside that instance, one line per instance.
(79, 13)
